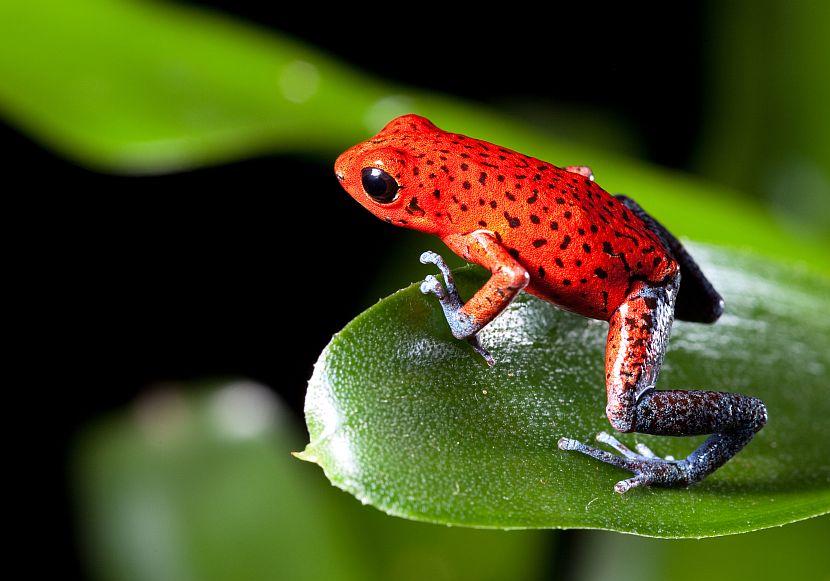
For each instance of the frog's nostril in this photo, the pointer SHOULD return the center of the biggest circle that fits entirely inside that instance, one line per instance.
(340, 175)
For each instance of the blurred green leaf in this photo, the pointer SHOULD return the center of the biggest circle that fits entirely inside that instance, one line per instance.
(793, 552)
(409, 420)
(126, 85)
(145, 86)
(200, 485)
(767, 127)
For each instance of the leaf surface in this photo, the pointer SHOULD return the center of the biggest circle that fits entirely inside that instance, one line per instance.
(411, 421)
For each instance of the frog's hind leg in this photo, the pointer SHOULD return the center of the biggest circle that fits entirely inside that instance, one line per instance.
(637, 339)
(697, 300)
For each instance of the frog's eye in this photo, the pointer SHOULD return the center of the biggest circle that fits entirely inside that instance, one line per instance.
(379, 185)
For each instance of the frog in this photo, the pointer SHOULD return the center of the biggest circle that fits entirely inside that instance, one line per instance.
(555, 233)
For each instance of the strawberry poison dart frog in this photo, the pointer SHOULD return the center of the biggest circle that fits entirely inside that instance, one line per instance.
(556, 234)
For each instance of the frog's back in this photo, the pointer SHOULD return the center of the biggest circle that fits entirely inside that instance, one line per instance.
(582, 247)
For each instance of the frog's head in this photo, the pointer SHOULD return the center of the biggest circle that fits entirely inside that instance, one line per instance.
(384, 173)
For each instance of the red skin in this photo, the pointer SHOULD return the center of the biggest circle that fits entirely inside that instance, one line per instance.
(574, 239)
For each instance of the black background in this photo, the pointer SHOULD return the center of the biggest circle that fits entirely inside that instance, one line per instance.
(134, 280)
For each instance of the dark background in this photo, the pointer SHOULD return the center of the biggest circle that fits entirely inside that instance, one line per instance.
(194, 275)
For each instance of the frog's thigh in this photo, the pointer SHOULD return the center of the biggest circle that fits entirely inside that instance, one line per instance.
(697, 299)
(637, 339)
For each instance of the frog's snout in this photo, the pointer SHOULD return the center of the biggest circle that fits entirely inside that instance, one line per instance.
(340, 165)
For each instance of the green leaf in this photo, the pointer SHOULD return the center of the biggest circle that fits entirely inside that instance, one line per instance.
(771, 120)
(195, 481)
(411, 421)
(793, 552)
(148, 87)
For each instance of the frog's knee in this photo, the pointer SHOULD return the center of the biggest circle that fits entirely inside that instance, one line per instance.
(759, 416)
(621, 419)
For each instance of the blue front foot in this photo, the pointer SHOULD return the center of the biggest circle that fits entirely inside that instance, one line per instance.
(461, 325)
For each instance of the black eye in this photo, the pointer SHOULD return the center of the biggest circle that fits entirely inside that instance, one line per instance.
(380, 185)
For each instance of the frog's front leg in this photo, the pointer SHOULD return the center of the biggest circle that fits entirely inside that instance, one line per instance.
(451, 303)
(508, 278)
(637, 340)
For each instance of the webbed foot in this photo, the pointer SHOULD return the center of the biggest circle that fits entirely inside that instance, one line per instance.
(451, 303)
(648, 468)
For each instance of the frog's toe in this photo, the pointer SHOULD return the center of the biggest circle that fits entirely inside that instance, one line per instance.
(624, 486)
(646, 470)
(644, 450)
(610, 440)
(601, 455)
(430, 257)
(477, 346)
(432, 285)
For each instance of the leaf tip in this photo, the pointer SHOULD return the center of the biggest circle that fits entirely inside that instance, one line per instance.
(306, 455)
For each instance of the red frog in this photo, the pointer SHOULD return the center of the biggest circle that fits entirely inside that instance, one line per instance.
(556, 234)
